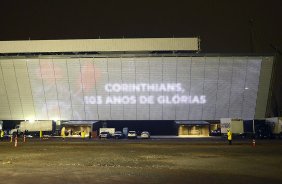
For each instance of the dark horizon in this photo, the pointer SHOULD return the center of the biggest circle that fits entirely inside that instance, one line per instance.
(223, 26)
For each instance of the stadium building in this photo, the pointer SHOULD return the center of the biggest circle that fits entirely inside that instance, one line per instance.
(132, 80)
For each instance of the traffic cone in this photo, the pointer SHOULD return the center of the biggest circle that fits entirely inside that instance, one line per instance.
(24, 138)
(16, 141)
(254, 143)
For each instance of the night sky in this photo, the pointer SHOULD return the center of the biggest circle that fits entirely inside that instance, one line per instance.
(224, 26)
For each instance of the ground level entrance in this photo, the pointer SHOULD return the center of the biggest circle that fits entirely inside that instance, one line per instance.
(193, 128)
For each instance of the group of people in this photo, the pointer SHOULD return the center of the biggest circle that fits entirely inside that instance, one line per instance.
(82, 134)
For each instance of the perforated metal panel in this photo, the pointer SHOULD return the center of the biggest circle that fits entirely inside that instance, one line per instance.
(174, 88)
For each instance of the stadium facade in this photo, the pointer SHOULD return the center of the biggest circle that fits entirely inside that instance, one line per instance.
(130, 79)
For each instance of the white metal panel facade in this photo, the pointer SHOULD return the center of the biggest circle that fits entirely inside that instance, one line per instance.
(142, 88)
(100, 45)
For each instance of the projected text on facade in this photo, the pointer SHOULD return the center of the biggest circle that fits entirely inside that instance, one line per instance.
(149, 88)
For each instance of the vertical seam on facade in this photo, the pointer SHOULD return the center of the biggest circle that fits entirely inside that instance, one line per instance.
(244, 90)
(162, 90)
(135, 89)
(94, 68)
(121, 78)
(218, 68)
(31, 90)
(67, 67)
(82, 87)
(149, 63)
(177, 92)
(42, 81)
(190, 87)
(18, 89)
(259, 85)
(107, 61)
(230, 91)
(204, 86)
(56, 88)
(9, 103)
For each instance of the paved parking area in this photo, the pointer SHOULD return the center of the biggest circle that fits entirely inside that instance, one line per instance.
(167, 160)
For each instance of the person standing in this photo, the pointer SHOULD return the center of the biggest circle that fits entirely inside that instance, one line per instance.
(83, 135)
(229, 136)
(63, 133)
(1, 134)
(89, 135)
(40, 134)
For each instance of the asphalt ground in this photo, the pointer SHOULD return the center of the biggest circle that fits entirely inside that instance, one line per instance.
(157, 160)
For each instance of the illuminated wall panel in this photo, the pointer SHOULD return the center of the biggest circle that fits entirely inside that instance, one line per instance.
(210, 87)
(143, 88)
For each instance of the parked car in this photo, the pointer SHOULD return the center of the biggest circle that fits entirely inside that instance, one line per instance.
(118, 135)
(105, 135)
(216, 132)
(132, 135)
(145, 135)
